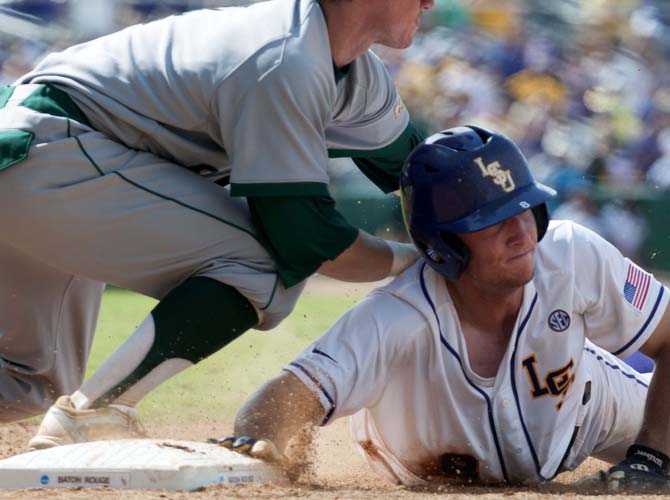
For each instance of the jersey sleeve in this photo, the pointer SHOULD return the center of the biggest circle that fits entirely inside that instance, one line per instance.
(372, 125)
(383, 166)
(621, 302)
(300, 232)
(347, 368)
(275, 133)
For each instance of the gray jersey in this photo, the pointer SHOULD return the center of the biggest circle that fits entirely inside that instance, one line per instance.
(248, 94)
(166, 88)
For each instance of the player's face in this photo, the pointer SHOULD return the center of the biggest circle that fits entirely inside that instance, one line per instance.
(398, 21)
(503, 255)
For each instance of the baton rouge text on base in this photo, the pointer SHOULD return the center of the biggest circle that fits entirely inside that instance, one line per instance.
(102, 480)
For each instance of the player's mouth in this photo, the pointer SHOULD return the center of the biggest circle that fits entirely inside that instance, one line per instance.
(527, 253)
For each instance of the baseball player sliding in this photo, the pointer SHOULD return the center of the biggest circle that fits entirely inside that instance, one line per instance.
(496, 357)
(185, 159)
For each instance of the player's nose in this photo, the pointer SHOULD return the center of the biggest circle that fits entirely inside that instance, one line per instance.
(522, 229)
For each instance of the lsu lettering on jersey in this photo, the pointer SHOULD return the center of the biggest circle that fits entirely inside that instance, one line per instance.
(398, 363)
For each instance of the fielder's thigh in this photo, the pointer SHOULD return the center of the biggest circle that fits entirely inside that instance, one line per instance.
(96, 208)
(616, 408)
(47, 322)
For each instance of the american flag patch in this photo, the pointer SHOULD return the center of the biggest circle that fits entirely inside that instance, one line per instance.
(636, 287)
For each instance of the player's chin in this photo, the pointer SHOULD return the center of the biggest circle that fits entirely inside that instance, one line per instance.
(520, 271)
(526, 276)
(406, 41)
(513, 280)
(409, 38)
(401, 41)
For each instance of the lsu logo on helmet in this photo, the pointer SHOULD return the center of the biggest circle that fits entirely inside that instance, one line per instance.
(502, 178)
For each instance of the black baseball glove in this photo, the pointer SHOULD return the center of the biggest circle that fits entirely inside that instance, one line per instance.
(643, 470)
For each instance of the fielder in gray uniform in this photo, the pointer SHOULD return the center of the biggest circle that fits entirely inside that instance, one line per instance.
(185, 159)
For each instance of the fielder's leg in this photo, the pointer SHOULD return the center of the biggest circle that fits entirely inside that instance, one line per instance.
(47, 321)
(195, 320)
(96, 208)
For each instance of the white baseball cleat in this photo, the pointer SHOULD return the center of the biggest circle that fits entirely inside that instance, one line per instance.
(64, 424)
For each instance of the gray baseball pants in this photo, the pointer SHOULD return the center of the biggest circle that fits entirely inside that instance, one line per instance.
(82, 210)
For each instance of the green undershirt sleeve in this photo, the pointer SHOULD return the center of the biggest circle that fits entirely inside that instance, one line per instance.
(300, 232)
(383, 166)
(193, 321)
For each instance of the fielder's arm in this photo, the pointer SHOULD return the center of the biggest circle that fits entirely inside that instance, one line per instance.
(370, 259)
(280, 409)
(306, 234)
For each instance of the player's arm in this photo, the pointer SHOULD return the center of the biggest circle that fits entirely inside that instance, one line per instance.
(647, 461)
(655, 431)
(370, 258)
(625, 309)
(278, 137)
(306, 234)
(338, 375)
(280, 409)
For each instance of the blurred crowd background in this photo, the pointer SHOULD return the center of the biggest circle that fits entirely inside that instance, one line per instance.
(583, 86)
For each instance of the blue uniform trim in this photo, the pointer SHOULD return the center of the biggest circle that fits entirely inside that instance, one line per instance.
(316, 350)
(615, 367)
(460, 363)
(523, 324)
(646, 323)
(321, 388)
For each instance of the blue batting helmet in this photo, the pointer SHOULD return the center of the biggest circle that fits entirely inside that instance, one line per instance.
(462, 180)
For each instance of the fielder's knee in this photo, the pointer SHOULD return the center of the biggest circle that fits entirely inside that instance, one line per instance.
(280, 306)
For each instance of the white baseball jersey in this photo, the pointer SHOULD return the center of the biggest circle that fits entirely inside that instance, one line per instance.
(398, 363)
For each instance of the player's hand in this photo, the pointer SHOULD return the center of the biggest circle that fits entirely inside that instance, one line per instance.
(263, 449)
(643, 470)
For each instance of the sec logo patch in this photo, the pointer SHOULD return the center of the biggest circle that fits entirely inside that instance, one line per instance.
(559, 320)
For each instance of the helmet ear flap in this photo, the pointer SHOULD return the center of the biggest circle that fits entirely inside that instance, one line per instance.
(449, 255)
(457, 253)
(541, 214)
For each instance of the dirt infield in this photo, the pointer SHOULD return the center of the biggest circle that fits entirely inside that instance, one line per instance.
(340, 474)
